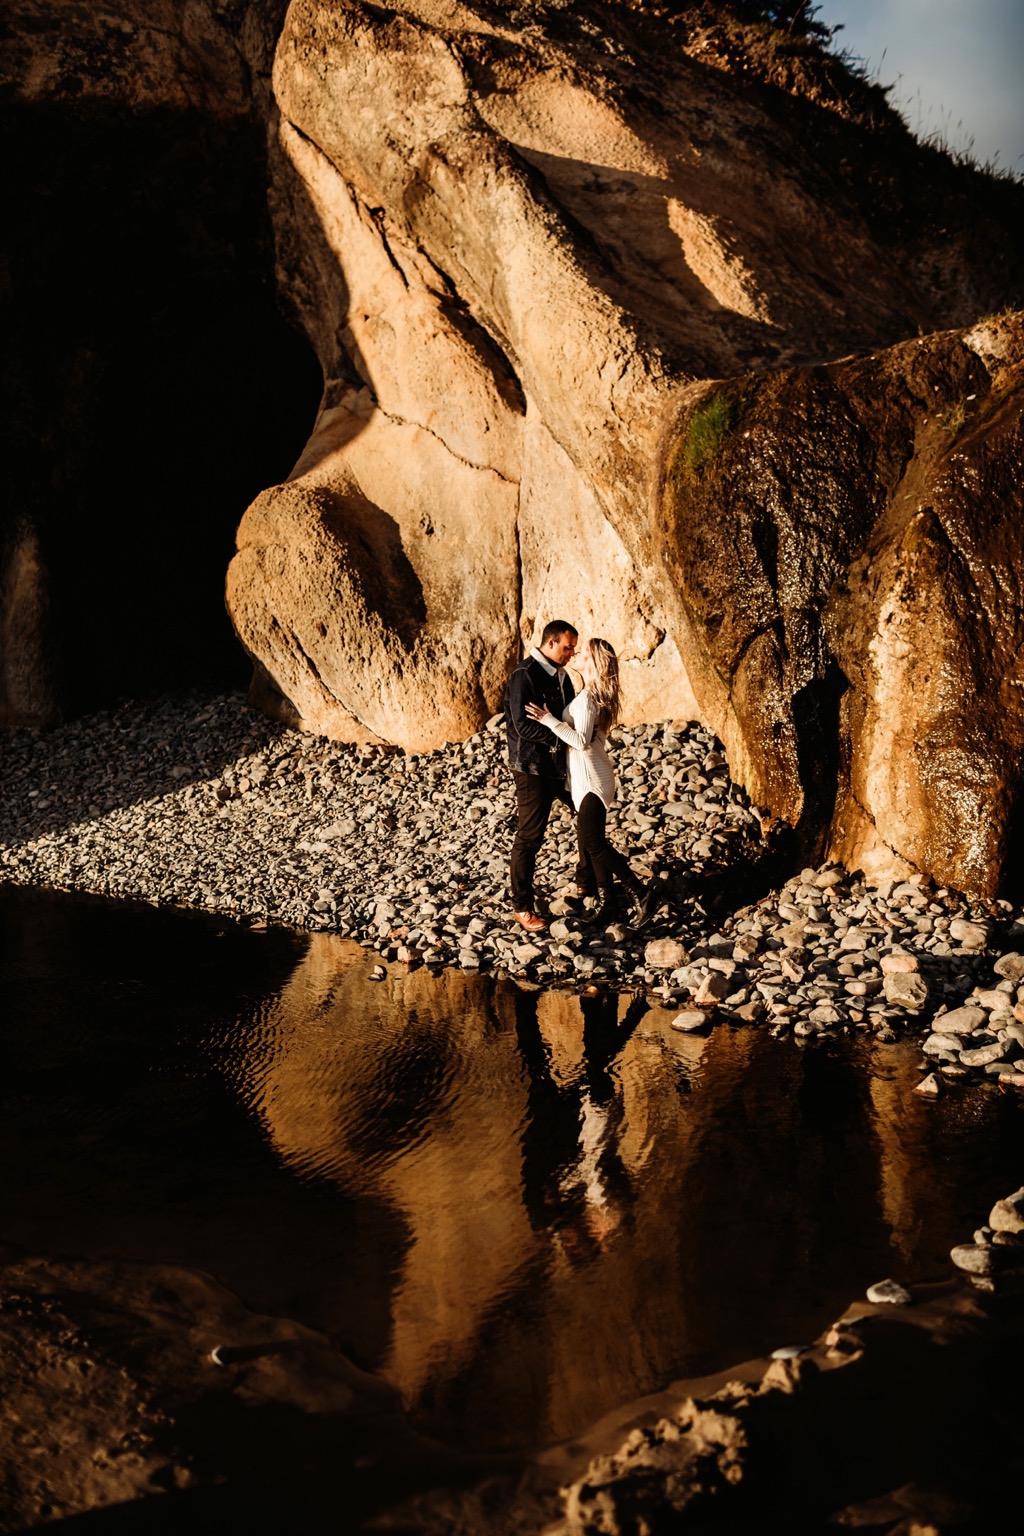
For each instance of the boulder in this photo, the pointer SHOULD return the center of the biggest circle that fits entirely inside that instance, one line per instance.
(1007, 1215)
(713, 989)
(945, 1047)
(1011, 967)
(984, 1055)
(899, 961)
(991, 999)
(970, 935)
(689, 1020)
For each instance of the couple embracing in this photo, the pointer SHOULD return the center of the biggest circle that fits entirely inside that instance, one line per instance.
(557, 750)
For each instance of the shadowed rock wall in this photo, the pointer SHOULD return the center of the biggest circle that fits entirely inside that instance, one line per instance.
(150, 384)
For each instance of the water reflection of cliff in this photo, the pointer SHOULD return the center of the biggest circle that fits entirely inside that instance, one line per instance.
(592, 1205)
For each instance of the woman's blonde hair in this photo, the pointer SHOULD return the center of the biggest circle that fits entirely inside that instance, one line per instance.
(604, 690)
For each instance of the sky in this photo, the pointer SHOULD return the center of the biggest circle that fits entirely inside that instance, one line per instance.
(957, 67)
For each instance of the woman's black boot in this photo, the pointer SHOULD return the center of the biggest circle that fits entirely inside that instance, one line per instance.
(609, 908)
(644, 901)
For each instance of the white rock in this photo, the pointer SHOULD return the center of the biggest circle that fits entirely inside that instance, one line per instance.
(890, 1292)
(991, 998)
(899, 961)
(1008, 1215)
(970, 935)
(984, 1055)
(827, 878)
(690, 1019)
(943, 1045)
(665, 955)
(1011, 966)
(713, 989)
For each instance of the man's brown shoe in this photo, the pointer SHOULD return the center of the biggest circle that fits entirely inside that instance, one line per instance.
(531, 922)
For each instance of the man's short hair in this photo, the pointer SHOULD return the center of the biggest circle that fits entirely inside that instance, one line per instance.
(558, 627)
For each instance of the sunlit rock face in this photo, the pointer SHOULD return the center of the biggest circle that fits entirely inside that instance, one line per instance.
(576, 277)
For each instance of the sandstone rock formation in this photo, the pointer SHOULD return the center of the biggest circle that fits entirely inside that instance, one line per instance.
(854, 592)
(574, 278)
(557, 260)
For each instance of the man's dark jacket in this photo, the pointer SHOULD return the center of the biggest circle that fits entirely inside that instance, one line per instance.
(532, 747)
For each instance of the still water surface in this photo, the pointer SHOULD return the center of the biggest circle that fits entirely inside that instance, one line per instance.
(521, 1208)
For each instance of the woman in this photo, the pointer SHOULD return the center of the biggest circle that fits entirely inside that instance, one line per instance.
(584, 728)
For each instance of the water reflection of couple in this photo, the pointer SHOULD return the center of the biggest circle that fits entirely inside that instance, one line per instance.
(557, 747)
(575, 1183)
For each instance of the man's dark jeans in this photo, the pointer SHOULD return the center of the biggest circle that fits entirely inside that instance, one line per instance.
(534, 798)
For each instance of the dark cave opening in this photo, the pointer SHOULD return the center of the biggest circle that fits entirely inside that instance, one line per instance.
(152, 387)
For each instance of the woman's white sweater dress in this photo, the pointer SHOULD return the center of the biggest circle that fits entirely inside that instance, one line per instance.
(590, 770)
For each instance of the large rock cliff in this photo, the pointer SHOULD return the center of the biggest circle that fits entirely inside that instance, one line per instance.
(614, 315)
(650, 318)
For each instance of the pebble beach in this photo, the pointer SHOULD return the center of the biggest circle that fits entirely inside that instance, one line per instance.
(201, 803)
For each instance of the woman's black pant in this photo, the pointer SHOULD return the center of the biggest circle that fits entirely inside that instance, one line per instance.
(604, 862)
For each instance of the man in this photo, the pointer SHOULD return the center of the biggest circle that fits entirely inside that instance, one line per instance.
(536, 756)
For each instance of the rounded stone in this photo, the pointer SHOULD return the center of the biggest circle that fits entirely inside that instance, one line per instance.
(899, 961)
(689, 1020)
(961, 1021)
(984, 1055)
(889, 1293)
(905, 990)
(1007, 1215)
(970, 935)
(1010, 966)
(665, 954)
